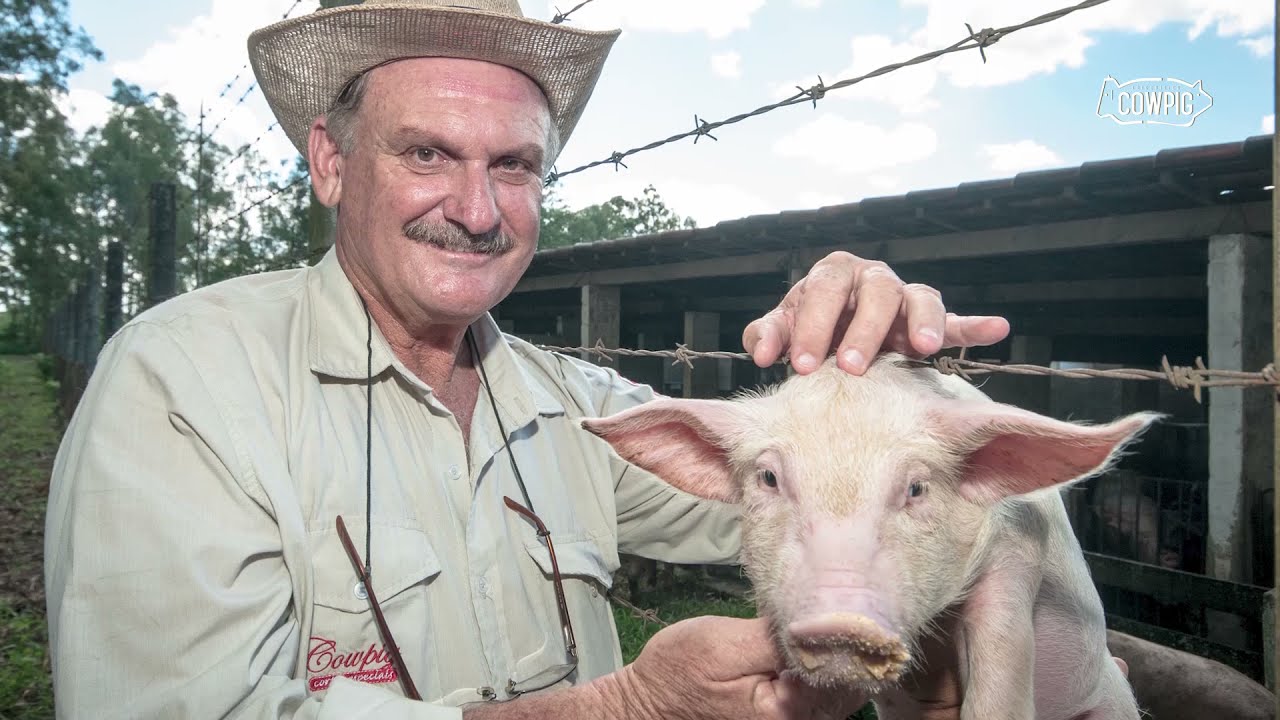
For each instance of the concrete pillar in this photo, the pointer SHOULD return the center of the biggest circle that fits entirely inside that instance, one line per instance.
(1240, 420)
(701, 332)
(601, 319)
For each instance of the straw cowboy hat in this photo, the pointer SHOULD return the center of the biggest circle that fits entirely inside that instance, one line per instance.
(303, 63)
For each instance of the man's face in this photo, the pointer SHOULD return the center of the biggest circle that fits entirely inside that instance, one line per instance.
(441, 189)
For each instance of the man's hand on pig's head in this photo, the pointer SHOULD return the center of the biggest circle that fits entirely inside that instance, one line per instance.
(864, 499)
(856, 308)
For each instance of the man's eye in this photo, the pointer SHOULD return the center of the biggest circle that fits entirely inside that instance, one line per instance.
(513, 165)
(425, 155)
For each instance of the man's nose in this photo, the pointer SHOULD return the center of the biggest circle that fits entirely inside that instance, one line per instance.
(472, 203)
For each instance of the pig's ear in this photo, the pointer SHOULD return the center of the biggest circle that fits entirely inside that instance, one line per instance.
(1010, 451)
(681, 441)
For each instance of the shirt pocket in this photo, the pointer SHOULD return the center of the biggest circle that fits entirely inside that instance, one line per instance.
(586, 567)
(345, 639)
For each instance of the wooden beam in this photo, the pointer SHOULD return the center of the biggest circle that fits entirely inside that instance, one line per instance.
(1117, 230)
(1051, 324)
(1190, 287)
(1176, 586)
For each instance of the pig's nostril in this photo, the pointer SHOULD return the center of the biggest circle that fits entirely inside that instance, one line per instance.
(848, 647)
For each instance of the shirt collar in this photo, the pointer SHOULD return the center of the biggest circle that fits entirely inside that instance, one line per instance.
(338, 348)
(340, 327)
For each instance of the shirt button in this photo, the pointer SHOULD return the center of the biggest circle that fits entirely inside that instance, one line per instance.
(360, 592)
(454, 473)
(483, 586)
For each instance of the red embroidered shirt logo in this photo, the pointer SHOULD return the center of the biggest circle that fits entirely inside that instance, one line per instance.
(325, 662)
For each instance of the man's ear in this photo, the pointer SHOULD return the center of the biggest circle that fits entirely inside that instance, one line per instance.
(326, 163)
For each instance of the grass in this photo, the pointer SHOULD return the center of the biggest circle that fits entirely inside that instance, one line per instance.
(28, 442)
(680, 601)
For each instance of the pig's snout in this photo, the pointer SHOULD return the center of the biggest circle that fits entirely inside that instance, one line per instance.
(845, 648)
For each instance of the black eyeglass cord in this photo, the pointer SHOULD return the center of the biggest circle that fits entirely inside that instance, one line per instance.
(368, 445)
(368, 436)
(475, 355)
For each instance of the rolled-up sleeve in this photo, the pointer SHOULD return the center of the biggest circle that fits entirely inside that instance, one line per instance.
(168, 591)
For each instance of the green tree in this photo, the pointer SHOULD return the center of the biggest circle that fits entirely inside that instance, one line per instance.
(39, 216)
(615, 218)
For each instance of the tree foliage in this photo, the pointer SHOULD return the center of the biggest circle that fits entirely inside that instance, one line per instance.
(39, 172)
(617, 217)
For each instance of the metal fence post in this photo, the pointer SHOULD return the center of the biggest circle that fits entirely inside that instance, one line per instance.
(163, 280)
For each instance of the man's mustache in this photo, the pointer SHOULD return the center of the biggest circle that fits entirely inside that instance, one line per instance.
(451, 237)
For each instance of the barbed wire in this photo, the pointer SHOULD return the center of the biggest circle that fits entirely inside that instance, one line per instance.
(561, 17)
(649, 615)
(1181, 377)
(981, 40)
(241, 212)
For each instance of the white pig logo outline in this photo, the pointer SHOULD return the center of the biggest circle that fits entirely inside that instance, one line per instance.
(873, 507)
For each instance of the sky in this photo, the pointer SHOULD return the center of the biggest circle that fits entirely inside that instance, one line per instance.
(1047, 96)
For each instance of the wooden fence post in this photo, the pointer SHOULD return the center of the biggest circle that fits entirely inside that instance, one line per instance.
(114, 311)
(1273, 623)
(163, 280)
(90, 329)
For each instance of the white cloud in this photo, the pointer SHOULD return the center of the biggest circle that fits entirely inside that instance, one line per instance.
(727, 64)
(1260, 46)
(1018, 156)
(815, 199)
(1269, 124)
(84, 109)
(854, 147)
(906, 89)
(1026, 53)
(716, 18)
(1063, 42)
(195, 62)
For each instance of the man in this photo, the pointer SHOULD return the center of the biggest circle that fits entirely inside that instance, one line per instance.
(247, 453)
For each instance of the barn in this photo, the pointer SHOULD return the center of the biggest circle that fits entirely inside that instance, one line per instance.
(1123, 263)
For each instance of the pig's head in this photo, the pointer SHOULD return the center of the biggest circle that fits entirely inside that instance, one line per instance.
(865, 500)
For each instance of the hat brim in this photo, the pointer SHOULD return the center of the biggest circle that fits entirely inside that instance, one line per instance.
(303, 63)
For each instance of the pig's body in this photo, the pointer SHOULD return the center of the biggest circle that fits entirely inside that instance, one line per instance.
(874, 506)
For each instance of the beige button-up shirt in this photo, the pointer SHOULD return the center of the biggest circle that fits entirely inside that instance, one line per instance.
(192, 561)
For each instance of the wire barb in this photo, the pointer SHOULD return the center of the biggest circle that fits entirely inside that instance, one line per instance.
(560, 17)
(815, 93)
(984, 37)
(701, 128)
(649, 615)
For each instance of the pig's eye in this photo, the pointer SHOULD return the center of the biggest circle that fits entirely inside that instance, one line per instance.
(916, 489)
(768, 478)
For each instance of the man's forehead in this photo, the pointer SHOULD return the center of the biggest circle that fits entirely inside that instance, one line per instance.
(458, 78)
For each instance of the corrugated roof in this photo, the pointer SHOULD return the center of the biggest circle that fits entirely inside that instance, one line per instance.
(1220, 174)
